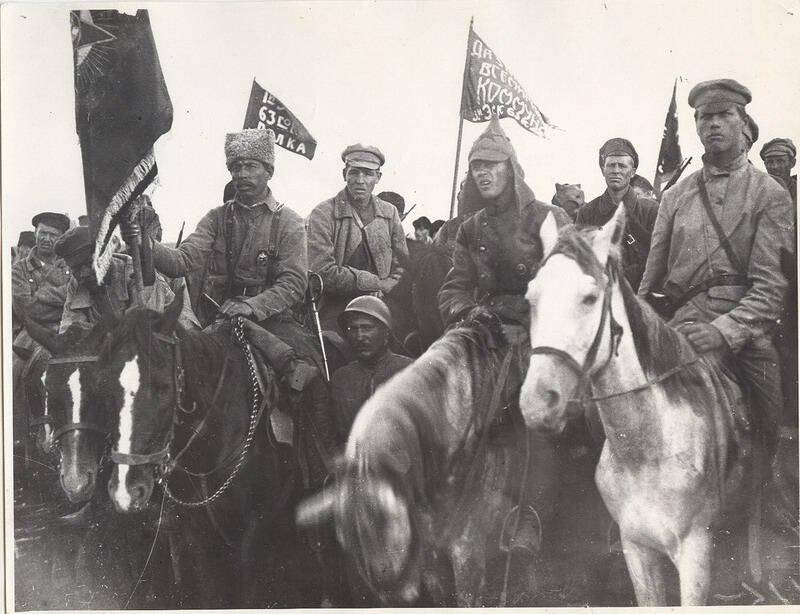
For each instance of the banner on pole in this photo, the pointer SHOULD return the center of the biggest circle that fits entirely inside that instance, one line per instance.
(490, 90)
(266, 112)
(122, 106)
(669, 155)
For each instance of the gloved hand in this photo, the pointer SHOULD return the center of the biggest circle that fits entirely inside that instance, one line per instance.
(485, 317)
(130, 231)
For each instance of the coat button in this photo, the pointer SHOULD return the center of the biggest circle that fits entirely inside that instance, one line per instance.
(482, 248)
(483, 275)
(521, 269)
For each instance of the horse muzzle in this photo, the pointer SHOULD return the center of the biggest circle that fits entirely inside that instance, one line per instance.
(544, 396)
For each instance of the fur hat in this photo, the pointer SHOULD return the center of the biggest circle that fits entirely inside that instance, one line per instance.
(251, 144)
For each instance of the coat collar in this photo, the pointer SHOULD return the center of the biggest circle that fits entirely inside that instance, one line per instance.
(734, 165)
(268, 201)
(343, 208)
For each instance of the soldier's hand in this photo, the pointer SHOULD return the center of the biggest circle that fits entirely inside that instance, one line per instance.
(386, 285)
(234, 307)
(704, 337)
(130, 231)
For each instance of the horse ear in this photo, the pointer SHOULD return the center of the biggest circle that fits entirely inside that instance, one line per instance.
(316, 509)
(609, 236)
(548, 233)
(169, 320)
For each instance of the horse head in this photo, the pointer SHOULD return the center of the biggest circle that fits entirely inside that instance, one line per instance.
(573, 333)
(142, 350)
(77, 400)
(375, 526)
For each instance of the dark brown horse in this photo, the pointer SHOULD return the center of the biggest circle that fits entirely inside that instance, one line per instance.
(194, 417)
(80, 393)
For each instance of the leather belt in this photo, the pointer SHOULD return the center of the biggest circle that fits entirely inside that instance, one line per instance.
(242, 290)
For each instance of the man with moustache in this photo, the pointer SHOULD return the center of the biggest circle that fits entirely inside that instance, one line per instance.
(497, 252)
(366, 324)
(356, 241)
(38, 289)
(618, 163)
(726, 284)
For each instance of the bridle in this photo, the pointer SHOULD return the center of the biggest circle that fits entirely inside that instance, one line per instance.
(161, 459)
(81, 425)
(583, 370)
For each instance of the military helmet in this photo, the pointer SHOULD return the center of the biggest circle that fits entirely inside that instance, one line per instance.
(368, 305)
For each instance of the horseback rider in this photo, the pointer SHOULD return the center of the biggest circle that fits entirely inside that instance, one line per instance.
(356, 242)
(38, 288)
(87, 301)
(716, 251)
(497, 252)
(618, 163)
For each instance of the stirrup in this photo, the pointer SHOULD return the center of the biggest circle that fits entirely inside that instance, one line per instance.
(507, 544)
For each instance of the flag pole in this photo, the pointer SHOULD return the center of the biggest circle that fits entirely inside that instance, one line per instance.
(460, 125)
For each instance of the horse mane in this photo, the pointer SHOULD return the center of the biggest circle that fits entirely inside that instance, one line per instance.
(659, 347)
(401, 435)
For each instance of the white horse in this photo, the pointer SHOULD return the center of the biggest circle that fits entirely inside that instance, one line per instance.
(673, 456)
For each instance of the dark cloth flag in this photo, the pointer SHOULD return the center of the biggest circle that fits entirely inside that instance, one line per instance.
(121, 108)
(490, 90)
(266, 112)
(669, 156)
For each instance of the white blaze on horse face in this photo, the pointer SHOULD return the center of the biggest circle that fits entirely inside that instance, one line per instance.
(75, 389)
(129, 378)
(48, 428)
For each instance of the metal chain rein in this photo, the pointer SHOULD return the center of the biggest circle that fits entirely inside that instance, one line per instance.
(238, 336)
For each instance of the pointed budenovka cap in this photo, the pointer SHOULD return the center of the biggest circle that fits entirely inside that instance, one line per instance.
(493, 145)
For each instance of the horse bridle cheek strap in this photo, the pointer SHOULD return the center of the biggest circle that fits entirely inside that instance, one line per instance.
(582, 371)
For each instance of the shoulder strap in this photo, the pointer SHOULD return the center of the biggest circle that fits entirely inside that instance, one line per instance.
(723, 239)
(360, 224)
(272, 247)
(230, 263)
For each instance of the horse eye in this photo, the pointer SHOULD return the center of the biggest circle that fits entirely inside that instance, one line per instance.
(589, 299)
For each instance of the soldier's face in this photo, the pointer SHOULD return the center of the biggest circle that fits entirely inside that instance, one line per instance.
(618, 171)
(720, 129)
(367, 337)
(361, 182)
(491, 178)
(250, 177)
(780, 166)
(46, 239)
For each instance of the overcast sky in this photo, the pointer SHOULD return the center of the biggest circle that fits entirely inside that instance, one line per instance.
(389, 74)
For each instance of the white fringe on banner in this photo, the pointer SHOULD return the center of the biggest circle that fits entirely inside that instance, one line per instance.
(102, 257)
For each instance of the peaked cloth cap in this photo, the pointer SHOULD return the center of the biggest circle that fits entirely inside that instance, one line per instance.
(363, 156)
(56, 220)
(75, 245)
(718, 94)
(493, 145)
(618, 147)
(778, 147)
(250, 144)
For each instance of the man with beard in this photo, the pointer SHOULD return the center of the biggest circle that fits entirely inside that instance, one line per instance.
(497, 252)
(716, 251)
(366, 325)
(618, 163)
(356, 241)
